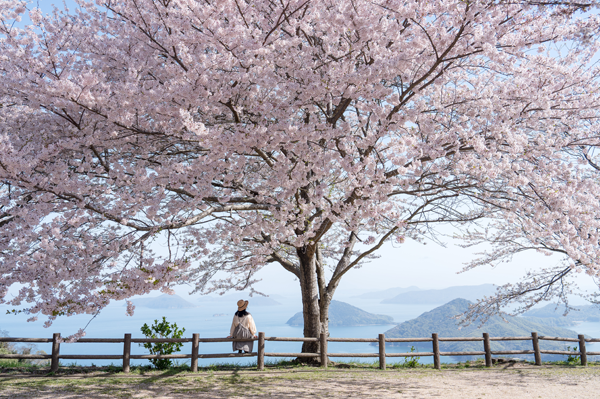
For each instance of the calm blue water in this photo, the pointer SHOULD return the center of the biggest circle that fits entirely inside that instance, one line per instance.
(113, 323)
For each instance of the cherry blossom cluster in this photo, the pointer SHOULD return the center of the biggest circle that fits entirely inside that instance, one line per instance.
(150, 143)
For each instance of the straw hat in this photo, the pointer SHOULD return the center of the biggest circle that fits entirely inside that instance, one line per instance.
(242, 305)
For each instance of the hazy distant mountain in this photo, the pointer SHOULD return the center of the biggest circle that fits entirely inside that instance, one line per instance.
(389, 293)
(256, 300)
(469, 292)
(344, 314)
(440, 320)
(554, 313)
(164, 301)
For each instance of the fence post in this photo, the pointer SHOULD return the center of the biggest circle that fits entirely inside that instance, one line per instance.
(436, 351)
(487, 347)
(323, 339)
(536, 349)
(382, 351)
(195, 346)
(126, 352)
(260, 362)
(582, 350)
(55, 352)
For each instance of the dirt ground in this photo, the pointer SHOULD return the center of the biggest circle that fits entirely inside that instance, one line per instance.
(499, 382)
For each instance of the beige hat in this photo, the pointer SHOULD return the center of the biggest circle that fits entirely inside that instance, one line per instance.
(242, 305)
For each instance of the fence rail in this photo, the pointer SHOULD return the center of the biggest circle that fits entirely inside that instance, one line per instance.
(322, 355)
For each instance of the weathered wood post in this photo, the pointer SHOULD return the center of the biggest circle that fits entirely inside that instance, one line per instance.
(55, 352)
(323, 339)
(260, 362)
(536, 349)
(382, 351)
(436, 351)
(487, 347)
(195, 347)
(126, 352)
(582, 350)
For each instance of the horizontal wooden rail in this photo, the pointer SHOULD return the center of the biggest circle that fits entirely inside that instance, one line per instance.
(461, 339)
(408, 339)
(558, 339)
(474, 353)
(409, 354)
(290, 339)
(277, 354)
(38, 340)
(81, 357)
(160, 340)
(223, 355)
(506, 352)
(551, 352)
(98, 340)
(18, 356)
(353, 354)
(321, 355)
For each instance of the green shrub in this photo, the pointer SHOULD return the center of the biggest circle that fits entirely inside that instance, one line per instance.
(411, 361)
(573, 359)
(164, 329)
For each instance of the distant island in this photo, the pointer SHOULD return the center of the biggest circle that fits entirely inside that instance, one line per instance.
(441, 320)
(342, 314)
(389, 293)
(429, 297)
(552, 312)
(256, 300)
(164, 301)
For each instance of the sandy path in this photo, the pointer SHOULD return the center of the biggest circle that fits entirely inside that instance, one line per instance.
(527, 382)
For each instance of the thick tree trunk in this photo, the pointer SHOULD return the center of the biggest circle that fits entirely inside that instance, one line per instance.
(310, 299)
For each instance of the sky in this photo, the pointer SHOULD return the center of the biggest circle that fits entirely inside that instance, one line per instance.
(429, 266)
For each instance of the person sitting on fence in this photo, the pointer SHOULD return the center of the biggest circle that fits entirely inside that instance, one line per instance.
(242, 327)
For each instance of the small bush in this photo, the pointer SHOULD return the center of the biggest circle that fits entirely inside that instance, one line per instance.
(164, 329)
(573, 359)
(411, 361)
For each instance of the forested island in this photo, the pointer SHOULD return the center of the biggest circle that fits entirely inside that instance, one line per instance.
(441, 321)
(344, 314)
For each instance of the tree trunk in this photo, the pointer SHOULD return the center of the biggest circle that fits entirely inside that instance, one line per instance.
(310, 299)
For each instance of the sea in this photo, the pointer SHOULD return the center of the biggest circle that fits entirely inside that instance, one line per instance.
(212, 319)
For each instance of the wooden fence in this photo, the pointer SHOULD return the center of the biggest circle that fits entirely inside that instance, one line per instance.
(322, 355)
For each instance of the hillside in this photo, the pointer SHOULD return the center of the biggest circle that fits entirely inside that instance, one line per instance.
(554, 313)
(164, 301)
(343, 314)
(389, 293)
(440, 320)
(424, 297)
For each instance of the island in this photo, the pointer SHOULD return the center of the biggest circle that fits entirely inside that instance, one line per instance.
(553, 313)
(442, 321)
(342, 314)
(389, 293)
(434, 297)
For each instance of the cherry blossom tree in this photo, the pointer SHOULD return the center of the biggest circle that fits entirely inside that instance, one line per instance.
(298, 133)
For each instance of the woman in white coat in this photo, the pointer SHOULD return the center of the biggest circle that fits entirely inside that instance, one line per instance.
(242, 327)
